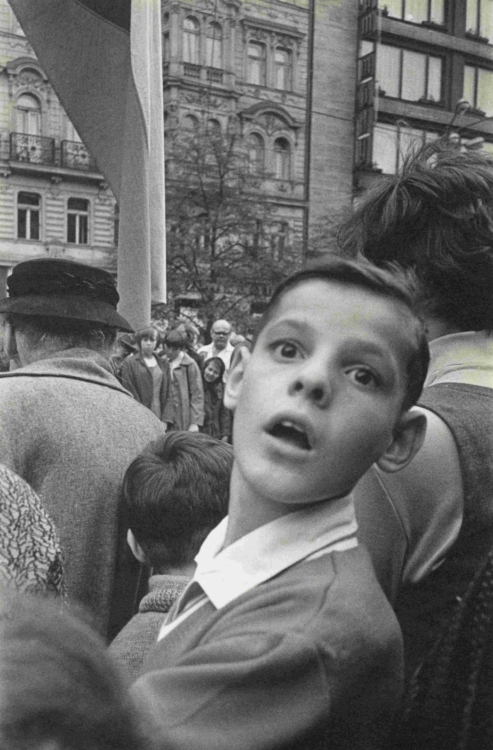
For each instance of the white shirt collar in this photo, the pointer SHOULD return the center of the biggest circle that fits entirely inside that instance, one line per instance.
(225, 574)
(462, 358)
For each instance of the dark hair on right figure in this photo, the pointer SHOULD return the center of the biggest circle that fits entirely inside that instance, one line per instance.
(435, 217)
(175, 493)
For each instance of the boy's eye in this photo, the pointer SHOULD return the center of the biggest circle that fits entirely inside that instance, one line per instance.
(363, 376)
(286, 350)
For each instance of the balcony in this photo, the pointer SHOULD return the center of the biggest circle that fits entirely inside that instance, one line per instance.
(34, 149)
(74, 155)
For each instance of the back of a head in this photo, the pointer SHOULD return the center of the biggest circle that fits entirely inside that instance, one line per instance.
(176, 492)
(58, 685)
(435, 217)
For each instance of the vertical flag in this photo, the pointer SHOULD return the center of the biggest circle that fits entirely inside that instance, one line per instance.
(104, 60)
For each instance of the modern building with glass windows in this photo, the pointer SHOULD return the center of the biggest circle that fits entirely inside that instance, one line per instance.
(425, 68)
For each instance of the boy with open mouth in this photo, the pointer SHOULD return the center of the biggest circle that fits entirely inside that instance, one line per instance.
(284, 639)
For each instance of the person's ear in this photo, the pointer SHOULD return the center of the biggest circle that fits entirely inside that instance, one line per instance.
(408, 437)
(137, 550)
(234, 380)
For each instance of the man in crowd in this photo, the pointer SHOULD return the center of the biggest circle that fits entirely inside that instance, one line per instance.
(220, 345)
(67, 425)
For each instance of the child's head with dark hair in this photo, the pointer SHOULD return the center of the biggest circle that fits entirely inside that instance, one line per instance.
(339, 359)
(435, 217)
(58, 685)
(146, 333)
(176, 492)
(213, 370)
(393, 283)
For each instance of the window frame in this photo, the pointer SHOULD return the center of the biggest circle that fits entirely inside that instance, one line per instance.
(212, 44)
(21, 111)
(79, 214)
(287, 68)
(261, 61)
(478, 31)
(29, 210)
(400, 75)
(285, 171)
(256, 166)
(429, 12)
(477, 69)
(193, 35)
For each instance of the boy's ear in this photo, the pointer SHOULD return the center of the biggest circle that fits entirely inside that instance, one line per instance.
(137, 550)
(409, 434)
(235, 379)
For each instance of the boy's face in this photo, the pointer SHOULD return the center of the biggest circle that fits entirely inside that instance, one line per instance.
(320, 397)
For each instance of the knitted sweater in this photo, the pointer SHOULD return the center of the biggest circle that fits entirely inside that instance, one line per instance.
(131, 645)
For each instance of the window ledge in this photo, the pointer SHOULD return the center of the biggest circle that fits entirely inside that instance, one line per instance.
(477, 37)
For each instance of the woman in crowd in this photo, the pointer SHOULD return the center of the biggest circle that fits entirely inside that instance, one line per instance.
(217, 419)
(187, 391)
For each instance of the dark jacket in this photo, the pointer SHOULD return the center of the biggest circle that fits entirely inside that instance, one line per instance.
(137, 378)
(217, 419)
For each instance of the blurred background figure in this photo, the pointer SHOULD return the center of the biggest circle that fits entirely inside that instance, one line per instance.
(190, 335)
(59, 689)
(220, 345)
(217, 419)
(148, 377)
(187, 391)
(31, 558)
(124, 347)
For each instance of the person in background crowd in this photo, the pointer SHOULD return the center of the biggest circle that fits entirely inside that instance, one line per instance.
(69, 428)
(147, 377)
(124, 347)
(220, 345)
(187, 391)
(217, 419)
(176, 492)
(59, 688)
(428, 527)
(190, 335)
(31, 558)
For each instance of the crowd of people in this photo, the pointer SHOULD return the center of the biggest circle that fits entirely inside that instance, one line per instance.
(276, 543)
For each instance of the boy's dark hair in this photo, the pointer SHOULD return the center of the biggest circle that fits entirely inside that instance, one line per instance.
(60, 687)
(174, 339)
(393, 283)
(435, 217)
(175, 493)
(143, 332)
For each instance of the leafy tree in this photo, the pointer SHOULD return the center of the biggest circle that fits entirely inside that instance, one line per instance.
(225, 247)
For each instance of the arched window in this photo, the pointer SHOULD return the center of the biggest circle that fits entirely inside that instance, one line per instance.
(283, 73)
(214, 46)
(190, 123)
(256, 64)
(213, 127)
(282, 159)
(191, 32)
(256, 153)
(28, 115)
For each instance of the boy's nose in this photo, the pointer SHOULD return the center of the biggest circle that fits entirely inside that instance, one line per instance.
(313, 387)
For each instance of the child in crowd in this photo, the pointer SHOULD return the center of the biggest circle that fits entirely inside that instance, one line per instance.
(175, 493)
(217, 419)
(187, 391)
(284, 639)
(147, 377)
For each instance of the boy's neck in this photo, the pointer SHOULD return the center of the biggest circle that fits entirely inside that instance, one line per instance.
(247, 510)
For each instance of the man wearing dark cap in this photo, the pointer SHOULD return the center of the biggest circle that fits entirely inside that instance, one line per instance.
(68, 427)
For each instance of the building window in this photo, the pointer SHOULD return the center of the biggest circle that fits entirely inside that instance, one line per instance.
(28, 216)
(28, 115)
(165, 47)
(282, 159)
(404, 74)
(392, 143)
(283, 73)
(191, 31)
(478, 85)
(214, 127)
(256, 153)
(214, 46)
(256, 65)
(78, 221)
(190, 123)
(279, 240)
(479, 18)
(416, 11)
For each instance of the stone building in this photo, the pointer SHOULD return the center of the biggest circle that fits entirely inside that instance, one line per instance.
(425, 68)
(53, 200)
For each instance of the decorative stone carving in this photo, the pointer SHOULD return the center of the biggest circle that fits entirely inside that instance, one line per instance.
(55, 248)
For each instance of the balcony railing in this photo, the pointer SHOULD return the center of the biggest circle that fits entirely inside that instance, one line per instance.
(191, 71)
(214, 75)
(35, 149)
(75, 155)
